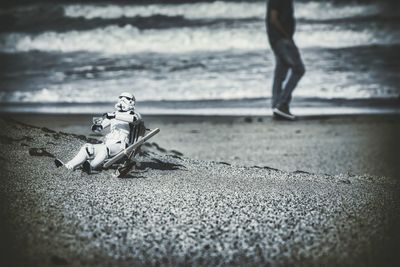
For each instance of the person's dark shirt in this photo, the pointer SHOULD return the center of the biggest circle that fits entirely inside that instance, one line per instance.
(285, 17)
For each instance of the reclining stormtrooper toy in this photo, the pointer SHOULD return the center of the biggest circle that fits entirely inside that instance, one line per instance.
(121, 137)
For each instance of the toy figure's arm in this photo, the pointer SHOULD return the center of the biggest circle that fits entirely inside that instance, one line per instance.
(105, 122)
(131, 117)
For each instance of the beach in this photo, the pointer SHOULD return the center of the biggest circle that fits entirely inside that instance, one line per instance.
(325, 192)
(223, 183)
(358, 144)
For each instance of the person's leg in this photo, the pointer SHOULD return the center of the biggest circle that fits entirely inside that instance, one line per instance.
(84, 153)
(280, 73)
(290, 55)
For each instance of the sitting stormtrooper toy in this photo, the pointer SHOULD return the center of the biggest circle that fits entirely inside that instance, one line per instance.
(121, 122)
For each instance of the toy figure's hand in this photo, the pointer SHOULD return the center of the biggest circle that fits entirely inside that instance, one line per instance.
(109, 115)
(97, 128)
(135, 117)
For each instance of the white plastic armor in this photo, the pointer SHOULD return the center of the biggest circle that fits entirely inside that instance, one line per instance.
(126, 102)
(121, 123)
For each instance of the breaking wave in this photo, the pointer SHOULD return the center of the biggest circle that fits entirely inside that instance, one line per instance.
(128, 39)
(219, 9)
(80, 17)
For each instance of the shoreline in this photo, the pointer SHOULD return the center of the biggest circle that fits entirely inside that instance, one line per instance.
(313, 112)
(199, 116)
(304, 107)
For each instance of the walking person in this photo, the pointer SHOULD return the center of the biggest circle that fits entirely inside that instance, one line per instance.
(281, 25)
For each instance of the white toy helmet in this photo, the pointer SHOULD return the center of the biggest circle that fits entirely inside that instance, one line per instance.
(126, 102)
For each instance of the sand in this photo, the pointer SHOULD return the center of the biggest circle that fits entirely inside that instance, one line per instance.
(181, 210)
(353, 145)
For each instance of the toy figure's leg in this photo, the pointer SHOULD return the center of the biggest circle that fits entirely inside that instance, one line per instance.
(114, 149)
(98, 153)
(102, 152)
(101, 155)
(84, 153)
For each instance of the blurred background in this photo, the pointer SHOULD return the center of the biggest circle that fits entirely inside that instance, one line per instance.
(194, 57)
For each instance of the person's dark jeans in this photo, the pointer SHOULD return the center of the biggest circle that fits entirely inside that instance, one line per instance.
(287, 57)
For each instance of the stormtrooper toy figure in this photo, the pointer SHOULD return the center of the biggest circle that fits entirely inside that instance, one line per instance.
(121, 122)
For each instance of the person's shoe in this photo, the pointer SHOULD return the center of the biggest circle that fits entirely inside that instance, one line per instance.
(277, 117)
(283, 112)
(87, 167)
(58, 163)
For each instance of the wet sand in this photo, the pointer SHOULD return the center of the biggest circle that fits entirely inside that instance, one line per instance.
(204, 207)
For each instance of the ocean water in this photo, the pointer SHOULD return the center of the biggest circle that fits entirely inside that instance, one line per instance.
(195, 57)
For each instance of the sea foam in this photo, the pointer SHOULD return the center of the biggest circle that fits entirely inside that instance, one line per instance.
(220, 10)
(128, 39)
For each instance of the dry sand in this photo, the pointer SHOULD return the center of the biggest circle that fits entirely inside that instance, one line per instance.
(178, 211)
(323, 145)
